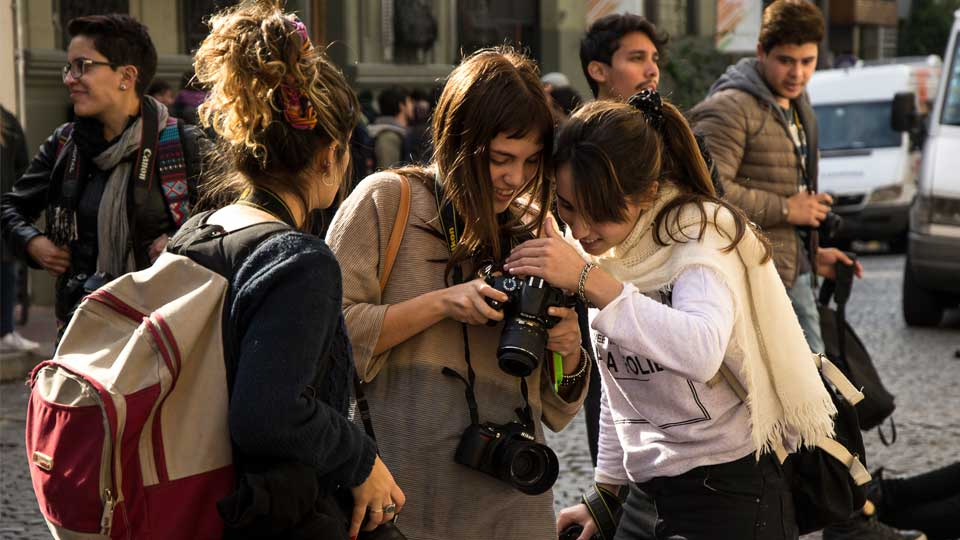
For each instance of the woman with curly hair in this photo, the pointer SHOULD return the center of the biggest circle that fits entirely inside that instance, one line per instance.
(284, 114)
(423, 343)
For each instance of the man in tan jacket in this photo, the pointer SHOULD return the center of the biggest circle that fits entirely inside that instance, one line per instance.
(762, 132)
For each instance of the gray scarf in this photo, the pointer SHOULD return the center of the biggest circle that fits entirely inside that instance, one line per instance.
(114, 243)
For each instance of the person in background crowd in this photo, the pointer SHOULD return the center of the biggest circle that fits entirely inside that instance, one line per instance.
(189, 98)
(619, 55)
(161, 91)
(389, 129)
(101, 220)
(563, 101)
(283, 121)
(425, 337)
(929, 502)
(13, 161)
(417, 147)
(677, 275)
(366, 105)
(762, 134)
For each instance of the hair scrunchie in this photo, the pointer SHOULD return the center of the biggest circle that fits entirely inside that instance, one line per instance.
(297, 108)
(648, 102)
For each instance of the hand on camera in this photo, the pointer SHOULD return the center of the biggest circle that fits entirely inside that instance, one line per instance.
(808, 209)
(827, 258)
(467, 302)
(375, 495)
(53, 258)
(550, 257)
(577, 515)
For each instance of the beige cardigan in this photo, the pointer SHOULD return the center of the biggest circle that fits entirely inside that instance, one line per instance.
(419, 413)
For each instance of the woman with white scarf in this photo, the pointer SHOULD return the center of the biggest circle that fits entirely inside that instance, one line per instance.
(684, 283)
(99, 178)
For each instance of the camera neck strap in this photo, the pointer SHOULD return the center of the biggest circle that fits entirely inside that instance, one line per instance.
(452, 225)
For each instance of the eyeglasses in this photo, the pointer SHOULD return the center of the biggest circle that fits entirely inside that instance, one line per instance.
(78, 67)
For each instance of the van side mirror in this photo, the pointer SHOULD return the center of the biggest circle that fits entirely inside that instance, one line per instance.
(904, 113)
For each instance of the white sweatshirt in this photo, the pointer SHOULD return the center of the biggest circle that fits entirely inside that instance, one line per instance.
(658, 417)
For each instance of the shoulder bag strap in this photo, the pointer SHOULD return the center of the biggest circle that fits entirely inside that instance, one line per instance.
(393, 246)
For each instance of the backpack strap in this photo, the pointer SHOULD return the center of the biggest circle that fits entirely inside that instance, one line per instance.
(393, 246)
(173, 172)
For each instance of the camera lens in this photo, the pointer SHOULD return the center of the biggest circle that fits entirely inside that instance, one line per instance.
(532, 468)
(521, 346)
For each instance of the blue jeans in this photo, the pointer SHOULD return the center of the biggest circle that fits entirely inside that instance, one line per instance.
(805, 306)
(8, 295)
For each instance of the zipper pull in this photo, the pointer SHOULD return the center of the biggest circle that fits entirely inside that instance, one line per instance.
(106, 520)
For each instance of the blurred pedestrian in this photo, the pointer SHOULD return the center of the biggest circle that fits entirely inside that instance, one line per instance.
(161, 91)
(189, 98)
(389, 129)
(105, 214)
(424, 339)
(283, 131)
(13, 162)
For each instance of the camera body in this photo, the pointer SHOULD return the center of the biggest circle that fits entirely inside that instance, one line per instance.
(829, 227)
(524, 337)
(509, 453)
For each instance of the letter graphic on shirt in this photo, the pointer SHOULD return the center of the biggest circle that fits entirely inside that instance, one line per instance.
(611, 363)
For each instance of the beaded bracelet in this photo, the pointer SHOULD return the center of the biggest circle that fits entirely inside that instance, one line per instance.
(581, 372)
(583, 282)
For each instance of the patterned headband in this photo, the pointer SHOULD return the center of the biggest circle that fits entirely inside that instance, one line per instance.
(648, 102)
(297, 108)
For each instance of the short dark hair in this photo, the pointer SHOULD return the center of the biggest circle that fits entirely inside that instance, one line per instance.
(123, 40)
(791, 22)
(159, 86)
(391, 99)
(603, 39)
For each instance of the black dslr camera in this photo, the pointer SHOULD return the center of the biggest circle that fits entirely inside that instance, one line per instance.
(524, 337)
(509, 453)
(829, 226)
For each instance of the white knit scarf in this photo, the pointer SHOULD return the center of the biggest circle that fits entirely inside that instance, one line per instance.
(787, 401)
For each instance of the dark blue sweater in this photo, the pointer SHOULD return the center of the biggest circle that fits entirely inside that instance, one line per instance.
(294, 367)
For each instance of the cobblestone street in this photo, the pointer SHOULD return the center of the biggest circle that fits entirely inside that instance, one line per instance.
(920, 366)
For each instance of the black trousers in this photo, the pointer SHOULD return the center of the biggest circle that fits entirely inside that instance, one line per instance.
(739, 500)
(928, 502)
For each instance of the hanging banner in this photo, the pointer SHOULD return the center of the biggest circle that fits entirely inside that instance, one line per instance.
(738, 25)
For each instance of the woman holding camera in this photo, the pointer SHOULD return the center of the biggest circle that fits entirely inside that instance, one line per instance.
(423, 343)
(283, 119)
(109, 207)
(684, 283)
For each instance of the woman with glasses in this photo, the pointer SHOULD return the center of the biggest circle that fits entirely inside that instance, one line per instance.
(116, 182)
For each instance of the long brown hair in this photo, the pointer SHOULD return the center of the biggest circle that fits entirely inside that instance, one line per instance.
(493, 91)
(616, 154)
(252, 50)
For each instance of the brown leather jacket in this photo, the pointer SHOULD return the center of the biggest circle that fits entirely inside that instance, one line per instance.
(747, 133)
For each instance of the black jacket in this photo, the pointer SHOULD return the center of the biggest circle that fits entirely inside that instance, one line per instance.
(13, 159)
(20, 208)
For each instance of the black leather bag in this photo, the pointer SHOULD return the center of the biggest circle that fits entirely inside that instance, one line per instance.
(824, 490)
(844, 347)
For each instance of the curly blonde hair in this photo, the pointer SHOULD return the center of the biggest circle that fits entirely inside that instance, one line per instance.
(252, 51)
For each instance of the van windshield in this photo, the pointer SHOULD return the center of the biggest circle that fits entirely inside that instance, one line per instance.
(951, 100)
(856, 125)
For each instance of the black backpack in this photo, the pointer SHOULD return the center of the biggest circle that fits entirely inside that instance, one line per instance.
(849, 353)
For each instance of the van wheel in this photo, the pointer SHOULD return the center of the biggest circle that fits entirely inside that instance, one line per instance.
(920, 306)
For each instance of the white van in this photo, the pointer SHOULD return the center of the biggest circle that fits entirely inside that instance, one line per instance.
(931, 281)
(870, 169)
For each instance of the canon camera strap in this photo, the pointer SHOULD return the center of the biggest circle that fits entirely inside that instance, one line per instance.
(267, 201)
(452, 225)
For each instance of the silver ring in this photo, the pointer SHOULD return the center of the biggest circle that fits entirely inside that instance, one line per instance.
(390, 508)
